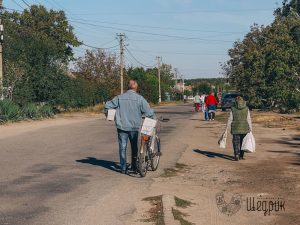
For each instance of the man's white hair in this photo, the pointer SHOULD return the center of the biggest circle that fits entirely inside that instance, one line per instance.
(131, 83)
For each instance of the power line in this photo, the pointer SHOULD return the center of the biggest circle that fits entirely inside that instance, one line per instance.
(153, 34)
(18, 4)
(90, 46)
(135, 59)
(164, 28)
(109, 42)
(174, 53)
(26, 3)
(178, 12)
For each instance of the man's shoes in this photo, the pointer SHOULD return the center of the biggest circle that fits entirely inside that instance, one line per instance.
(236, 158)
(124, 172)
(134, 169)
(242, 158)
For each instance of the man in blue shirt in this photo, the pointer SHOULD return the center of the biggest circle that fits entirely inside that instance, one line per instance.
(130, 107)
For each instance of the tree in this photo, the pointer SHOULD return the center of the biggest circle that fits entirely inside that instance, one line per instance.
(101, 68)
(265, 65)
(39, 43)
(202, 88)
(148, 82)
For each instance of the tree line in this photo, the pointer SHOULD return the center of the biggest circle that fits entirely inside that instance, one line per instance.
(37, 52)
(265, 65)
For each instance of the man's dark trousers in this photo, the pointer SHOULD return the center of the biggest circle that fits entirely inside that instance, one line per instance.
(123, 137)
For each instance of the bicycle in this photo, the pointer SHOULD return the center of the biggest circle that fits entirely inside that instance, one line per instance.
(150, 151)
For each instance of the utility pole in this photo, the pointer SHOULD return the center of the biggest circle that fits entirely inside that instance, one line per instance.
(121, 37)
(158, 71)
(1, 47)
(182, 86)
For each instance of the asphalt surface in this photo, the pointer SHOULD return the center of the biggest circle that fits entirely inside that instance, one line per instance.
(66, 172)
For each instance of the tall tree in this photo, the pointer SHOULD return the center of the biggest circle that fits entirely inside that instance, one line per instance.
(100, 67)
(39, 42)
(266, 64)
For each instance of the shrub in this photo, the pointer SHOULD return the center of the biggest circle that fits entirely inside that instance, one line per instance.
(46, 111)
(9, 111)
(31, 111)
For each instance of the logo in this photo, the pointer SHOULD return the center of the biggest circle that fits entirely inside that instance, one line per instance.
(231, 207)
(265, 205)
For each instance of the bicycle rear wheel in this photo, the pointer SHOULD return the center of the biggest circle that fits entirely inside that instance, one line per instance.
(143, 160)
(155, 155)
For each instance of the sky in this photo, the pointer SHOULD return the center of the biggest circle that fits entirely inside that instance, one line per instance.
(191, 35)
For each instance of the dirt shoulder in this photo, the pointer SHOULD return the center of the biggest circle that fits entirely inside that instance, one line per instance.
(205, 174)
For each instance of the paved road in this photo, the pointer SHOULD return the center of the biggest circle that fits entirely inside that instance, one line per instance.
(64, 171)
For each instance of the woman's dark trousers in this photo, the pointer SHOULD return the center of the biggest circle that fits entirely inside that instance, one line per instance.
(237, 141)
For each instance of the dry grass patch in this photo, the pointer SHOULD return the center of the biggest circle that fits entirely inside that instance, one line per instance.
(156, 214)
(268, 120)
(222, 117)
(275, 120)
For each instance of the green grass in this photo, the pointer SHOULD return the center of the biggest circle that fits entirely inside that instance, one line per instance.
(182, 203)
(12, 112)
(172, 172)
(181, 166)
(156, 214)
(31, 111)
(169, 172)
(9, 111)
(180, 217)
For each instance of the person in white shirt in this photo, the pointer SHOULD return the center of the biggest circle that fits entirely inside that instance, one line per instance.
(197, 101)
(203, 106)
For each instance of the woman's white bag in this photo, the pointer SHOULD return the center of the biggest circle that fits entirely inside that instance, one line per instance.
(248, 144)
(223, 139)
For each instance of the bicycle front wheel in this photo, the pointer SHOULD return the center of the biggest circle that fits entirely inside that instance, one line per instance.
(143, 160)
(155, 155)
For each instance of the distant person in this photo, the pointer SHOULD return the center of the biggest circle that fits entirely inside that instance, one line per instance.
(130, 107)
(203, 106)
(240, 123)
(211, 103)
(197, 102)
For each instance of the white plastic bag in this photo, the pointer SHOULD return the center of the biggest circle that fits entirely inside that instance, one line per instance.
(223, 139)
(148, 126)
(248, 144)
(111, 114)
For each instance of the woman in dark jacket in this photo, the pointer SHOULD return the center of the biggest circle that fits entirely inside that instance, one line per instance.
(240, 123)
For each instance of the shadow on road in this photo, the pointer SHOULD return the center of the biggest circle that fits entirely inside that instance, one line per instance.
(99, 162)
(292, 142)
(214, 154)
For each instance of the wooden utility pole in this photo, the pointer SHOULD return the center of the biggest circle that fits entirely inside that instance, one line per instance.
(121, 40)
(158, 74)
(1, 47)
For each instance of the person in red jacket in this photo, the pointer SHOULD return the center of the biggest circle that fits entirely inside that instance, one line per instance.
(211, 103)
